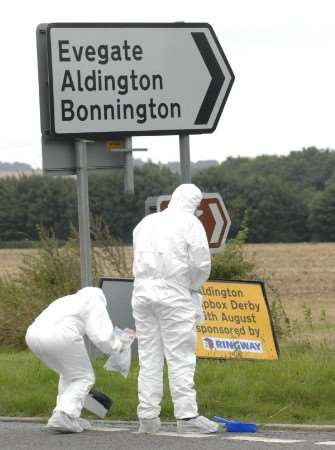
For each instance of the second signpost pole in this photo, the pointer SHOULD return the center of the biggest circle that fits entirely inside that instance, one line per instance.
(83, 213)
(185, 159)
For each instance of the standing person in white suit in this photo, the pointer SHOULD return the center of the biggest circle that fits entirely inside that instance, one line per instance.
(171, 262)
(56, 337)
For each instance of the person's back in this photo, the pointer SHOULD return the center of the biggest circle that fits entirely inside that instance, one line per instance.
(81, 314)
(171, 245)
(72, 311)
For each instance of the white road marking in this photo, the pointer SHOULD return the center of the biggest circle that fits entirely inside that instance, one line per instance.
(187, 435)
(107, 429)
(264, 439)
(325, 443)
(172, 434)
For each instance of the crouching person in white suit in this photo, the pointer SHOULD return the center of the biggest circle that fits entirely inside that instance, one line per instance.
(56, 337)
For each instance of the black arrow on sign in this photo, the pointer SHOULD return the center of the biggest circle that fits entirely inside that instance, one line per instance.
(216, 82)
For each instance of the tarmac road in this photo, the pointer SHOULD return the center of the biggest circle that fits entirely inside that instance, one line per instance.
(23, 435)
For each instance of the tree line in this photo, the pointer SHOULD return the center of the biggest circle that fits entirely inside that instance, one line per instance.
(281, 198)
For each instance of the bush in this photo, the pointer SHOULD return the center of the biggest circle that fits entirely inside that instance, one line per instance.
(52, 272)
(231, 264)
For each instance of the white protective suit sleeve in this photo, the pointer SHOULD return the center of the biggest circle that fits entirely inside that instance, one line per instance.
(100, 330)
(199, 255)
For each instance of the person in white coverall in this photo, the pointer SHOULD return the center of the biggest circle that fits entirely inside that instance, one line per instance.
(56, 337)
(171, 262)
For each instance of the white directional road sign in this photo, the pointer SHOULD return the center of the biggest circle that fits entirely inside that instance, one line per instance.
(214, 216)
(135, 79)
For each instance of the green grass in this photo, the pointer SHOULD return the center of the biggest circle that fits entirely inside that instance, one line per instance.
(299, 388)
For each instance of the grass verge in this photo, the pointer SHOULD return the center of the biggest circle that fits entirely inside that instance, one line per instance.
(299, 388)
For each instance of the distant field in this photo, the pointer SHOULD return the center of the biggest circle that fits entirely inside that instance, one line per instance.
(303, 275)
(11, 259)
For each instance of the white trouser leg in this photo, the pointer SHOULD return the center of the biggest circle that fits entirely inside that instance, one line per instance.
(62, 386)
(177, 320)
(150, 351)
(65, 353)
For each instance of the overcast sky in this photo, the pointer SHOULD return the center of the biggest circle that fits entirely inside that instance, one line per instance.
(282, 53)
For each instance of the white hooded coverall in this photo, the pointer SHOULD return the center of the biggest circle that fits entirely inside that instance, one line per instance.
(56, 337)
(171, 258)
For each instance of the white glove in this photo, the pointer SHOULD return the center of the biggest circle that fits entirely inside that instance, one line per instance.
(197, 301)
(120, 361)
(126, 336)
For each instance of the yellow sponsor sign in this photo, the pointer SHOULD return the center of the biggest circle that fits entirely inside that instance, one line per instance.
(237, 322)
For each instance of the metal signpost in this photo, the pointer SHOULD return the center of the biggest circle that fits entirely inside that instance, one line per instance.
(83, 213)
(59, 157)
(113, 81)
(185, 158)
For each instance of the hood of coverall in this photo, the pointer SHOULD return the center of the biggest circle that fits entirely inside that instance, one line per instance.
(93, 292)
(186, 197)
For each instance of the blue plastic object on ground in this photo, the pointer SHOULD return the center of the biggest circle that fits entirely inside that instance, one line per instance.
(236, 427)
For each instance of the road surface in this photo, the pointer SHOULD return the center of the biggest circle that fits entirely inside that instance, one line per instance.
(33, 436)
